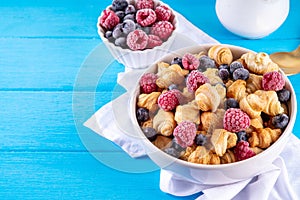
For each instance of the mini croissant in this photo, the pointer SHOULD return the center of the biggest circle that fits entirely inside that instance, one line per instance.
(212, 120)
(148, 101)
(264, 137)
(212, 75)
(169, 74)
(273, 106)
(253, 83)
(187, 112)
(259, 63)
(252, 105)
(237, 90)
(207, 98)
(221, 54)
(222, 140)
(164, 123)
(228, 157)
(202, 156)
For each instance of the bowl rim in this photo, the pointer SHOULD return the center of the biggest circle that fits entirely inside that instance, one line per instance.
(174, 22)
(286, 133)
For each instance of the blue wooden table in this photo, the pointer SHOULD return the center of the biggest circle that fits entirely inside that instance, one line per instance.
(42, 47)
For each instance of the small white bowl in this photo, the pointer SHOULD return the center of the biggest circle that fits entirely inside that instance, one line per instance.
(140, 59)
(215, 174)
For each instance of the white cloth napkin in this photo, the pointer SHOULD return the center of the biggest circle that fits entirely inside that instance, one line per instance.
(280, 181)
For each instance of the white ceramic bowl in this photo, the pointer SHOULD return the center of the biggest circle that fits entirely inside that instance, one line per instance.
(215, 174)
(139, 59)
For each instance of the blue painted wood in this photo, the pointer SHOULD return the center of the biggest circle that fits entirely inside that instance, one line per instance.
(42, 47)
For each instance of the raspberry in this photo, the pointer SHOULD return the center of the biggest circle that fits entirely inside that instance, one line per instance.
(109, 19)
(145, 17)
(147, 83)
(141, 4)
(242, 151)
(273, 81)
(162, 29)
(190, 62)
(153, 41)
(163, 13)
(195, 79)
(137, 40)
(185, 133)
(168, 100)
(235, 120)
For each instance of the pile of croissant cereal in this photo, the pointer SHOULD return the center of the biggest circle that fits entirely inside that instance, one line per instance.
(213, 108)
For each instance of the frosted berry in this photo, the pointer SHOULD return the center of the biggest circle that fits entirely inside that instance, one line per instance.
(242, 151)
(185, 133)
(240, 73)
(142, 114)
(153, 41)
(224, 74)
(148, 83)
(162, 29)
(284, 95)
(231, 103)
(163, 13)
(280, 121)
(145, 17)
(108, 34)
(195, 79)
(130, 10)
(129, 17)
(128, 26)
(177, 61)
(137, 40)
(168, 100)
(190, 62)
(206, 62)
(273, 81)
(150, 133)
(235, 65)
(120, 14)
(242, 135)
(109, 19)
(200, 139)
(142, 4)
(235, 120)
(118, 31)
(119, 5)
(121, 41)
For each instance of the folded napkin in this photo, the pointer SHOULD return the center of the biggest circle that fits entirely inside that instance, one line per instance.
(278, 182)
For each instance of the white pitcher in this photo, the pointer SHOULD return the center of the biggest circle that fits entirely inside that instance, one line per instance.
(252, 19)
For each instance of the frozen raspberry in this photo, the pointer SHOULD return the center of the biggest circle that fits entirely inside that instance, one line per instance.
(235, 120)
(141, 4)
(195, 79)
(163, 13)
(153, 41)
(242, 151)
(147, 83)
(145, 17)
(137, 40)
(273, 81)
(109, 19)
(185, 133)
(168, 100)
(162, 29)
(190, 62)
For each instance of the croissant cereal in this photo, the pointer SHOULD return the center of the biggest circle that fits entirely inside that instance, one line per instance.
(259, 63)
(237, 90)
(212, 75)
(228, 157)
(148, 101)
(207, 98)
(164, 123)
(253, 104)
(264, 137)
(221, 54)
(168, 75)
(187, 112)
(273, 105)
(162, 142)
(212, 120)
(222, 140)
(253, 83)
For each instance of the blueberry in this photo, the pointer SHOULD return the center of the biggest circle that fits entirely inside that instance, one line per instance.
(200, 139)
(177, 61)
(119, 5)
(128, 26)
(108, 34)
(280, 121)
(118, 31)
(240, 73)
(142, 114)
(130, 17)
(224, 66)
(120, 14)
(231, 103)
(235, 65)
(206, 62)
(284, 95)
(176, 146)
(173, 152)
(173, 86)
(150, 133)
(121, 41)
(224, 74)
(130, 10)
(242, 135)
